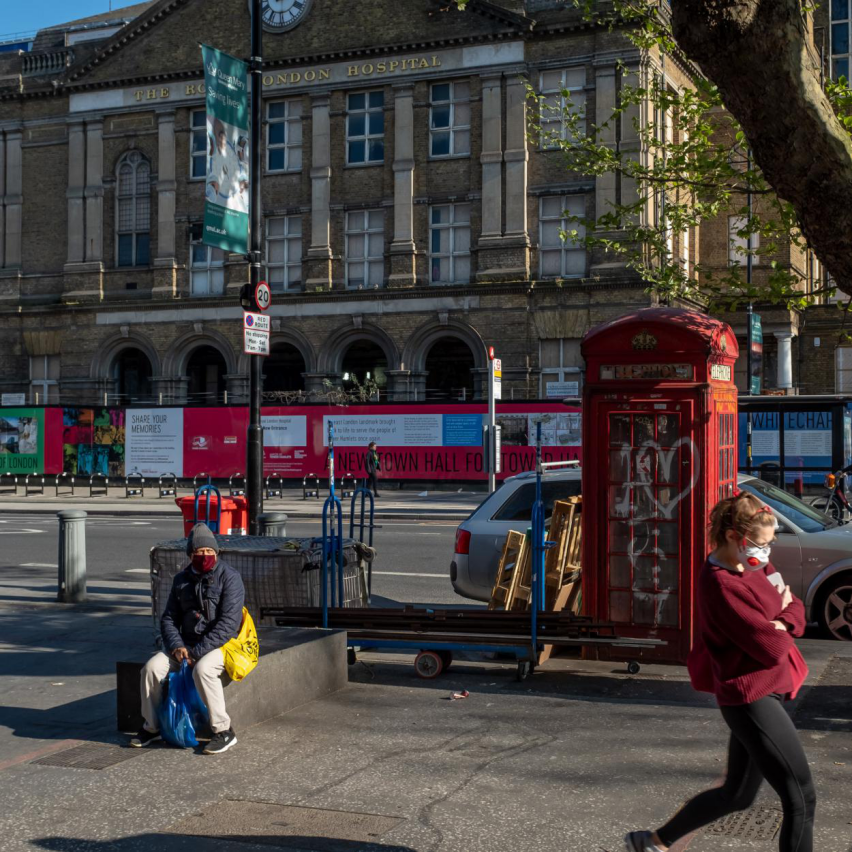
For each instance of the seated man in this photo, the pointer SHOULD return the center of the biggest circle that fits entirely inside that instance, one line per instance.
(203, 612)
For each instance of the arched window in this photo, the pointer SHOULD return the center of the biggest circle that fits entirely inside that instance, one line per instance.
(206, 370)
(282, 370)
(131, 373)
(449, 365)
(133, 210)
(365, 361)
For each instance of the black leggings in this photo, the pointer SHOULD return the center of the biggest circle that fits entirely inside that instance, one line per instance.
(764, 744)
(373, 482)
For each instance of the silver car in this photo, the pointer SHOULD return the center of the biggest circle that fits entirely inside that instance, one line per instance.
(813, 552)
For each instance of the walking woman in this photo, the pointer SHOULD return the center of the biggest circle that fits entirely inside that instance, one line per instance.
(745, 654)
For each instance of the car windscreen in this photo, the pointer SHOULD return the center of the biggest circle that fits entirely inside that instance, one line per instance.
(801, 514)
(518, 507)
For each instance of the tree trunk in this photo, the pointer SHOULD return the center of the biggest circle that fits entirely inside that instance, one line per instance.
(756, 52)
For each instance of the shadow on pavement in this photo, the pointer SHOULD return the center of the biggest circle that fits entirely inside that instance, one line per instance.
(235, 843)
(91, 718)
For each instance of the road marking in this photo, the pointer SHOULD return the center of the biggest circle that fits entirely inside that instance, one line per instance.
(16, 532)
(38, 565)
(406, 574)
(138, 571)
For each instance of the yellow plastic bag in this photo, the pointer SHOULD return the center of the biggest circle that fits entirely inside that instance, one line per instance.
(242, 652)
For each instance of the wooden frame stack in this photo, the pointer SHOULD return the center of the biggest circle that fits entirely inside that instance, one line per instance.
(562, 569)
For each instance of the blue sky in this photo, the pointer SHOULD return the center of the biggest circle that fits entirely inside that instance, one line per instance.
(20, 17)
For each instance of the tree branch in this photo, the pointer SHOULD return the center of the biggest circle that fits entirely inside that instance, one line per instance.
(756, 52)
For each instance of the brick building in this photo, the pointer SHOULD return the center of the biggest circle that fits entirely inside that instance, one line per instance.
(410, 222)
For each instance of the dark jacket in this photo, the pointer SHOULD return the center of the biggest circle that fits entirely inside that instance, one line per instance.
(371, 462)
(204, 611)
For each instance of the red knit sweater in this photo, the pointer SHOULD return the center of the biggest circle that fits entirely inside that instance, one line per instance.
(739, 655)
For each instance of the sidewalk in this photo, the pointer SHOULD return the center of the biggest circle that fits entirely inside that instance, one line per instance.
(566, 761)
(411, 505)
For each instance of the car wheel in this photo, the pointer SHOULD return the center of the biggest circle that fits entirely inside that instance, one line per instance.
(835, 609)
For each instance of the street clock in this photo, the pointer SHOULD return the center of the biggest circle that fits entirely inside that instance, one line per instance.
(282, 15)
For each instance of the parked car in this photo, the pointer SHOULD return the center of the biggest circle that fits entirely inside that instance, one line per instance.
(480, 538)
(813, 551)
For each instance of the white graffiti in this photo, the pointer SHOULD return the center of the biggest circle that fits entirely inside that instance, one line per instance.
(645, 479)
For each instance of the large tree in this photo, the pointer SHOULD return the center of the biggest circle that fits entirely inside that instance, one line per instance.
(783, 139)
(756, 52)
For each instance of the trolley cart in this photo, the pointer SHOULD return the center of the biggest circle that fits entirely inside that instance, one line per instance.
(435, 634)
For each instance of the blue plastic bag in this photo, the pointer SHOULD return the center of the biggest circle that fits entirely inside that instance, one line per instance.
(181, 710)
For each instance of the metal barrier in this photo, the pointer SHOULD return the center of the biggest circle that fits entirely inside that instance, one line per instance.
(196, 486)
(100, 484)
(348, 486)
(167, 485)
(237, 491)
(36, 488)
(332, 539)
(65, 480)
(8, 484)
(364, 524)
(312, 490)
(208, 491)
(134, 484)
(273, 490)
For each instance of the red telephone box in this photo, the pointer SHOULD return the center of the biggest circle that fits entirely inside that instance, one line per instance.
(660, 449)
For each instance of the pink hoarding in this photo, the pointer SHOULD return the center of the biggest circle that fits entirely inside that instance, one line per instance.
(415, 441)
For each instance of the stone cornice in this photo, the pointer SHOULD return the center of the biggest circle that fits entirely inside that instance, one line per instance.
(518, 288)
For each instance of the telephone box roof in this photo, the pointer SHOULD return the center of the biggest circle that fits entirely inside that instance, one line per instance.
(662, 329)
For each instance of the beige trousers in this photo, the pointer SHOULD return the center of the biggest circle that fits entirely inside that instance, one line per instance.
(206, 673)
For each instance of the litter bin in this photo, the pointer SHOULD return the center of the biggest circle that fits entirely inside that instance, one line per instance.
(233, 519)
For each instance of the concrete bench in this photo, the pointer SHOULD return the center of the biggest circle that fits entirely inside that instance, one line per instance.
(296, 665)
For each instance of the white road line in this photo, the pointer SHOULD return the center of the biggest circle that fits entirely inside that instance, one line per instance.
(38, 565)
(406, 574)
(17, 532)
(138, 571)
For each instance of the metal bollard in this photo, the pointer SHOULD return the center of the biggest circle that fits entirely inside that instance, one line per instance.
(72, 556)
(273, 523)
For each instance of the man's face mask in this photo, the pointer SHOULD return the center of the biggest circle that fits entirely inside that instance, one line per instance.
(753, 556)
(203, 563)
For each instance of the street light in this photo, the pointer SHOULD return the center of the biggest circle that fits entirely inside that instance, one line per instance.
(254, 461)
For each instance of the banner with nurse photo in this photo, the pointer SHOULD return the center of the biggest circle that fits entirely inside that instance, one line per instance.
(226, 208)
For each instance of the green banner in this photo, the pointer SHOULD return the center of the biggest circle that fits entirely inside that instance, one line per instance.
(755, 341)
(22, 440)
(226, 208)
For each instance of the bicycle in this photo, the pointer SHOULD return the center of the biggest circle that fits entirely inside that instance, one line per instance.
(836, 504)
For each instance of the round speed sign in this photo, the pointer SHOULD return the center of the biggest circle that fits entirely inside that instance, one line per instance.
(262, 295)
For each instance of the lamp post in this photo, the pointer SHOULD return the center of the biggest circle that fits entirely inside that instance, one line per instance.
(254, 462)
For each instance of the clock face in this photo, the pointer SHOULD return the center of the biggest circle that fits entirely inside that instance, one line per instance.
(280, 15)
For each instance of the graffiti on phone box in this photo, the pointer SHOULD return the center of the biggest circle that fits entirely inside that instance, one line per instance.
(648, 501)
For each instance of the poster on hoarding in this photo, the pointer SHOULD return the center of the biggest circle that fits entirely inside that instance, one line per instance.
(93, 441)
(22, 440)
(226, 207)
(154, 441)
(396, 430)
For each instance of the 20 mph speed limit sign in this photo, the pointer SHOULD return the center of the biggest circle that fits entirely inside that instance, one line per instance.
(262, 295)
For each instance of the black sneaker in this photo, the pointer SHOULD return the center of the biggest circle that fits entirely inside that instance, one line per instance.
(221, 742)
(145, 738)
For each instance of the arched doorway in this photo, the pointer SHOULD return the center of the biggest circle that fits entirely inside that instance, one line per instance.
(449, 365)
(206, 370)
(283, 368)
(364, 361)
(131, 375)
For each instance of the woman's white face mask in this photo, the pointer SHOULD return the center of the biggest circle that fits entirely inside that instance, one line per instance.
(753, 556)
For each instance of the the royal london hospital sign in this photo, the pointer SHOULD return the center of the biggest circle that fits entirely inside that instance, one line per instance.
(304, 79)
